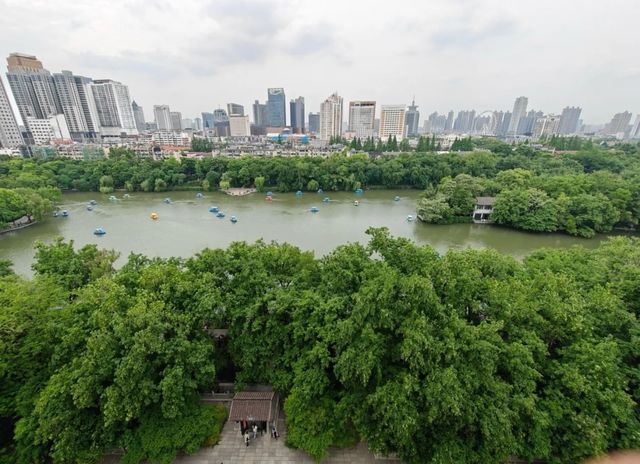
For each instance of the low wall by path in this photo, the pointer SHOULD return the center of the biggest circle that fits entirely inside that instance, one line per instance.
(22, 226)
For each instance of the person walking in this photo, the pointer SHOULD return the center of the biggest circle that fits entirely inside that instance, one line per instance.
(246, 438)
(255, 431)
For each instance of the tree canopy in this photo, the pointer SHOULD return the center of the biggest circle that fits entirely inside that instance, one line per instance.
(421, 169)
(580, 204)
(470, 356)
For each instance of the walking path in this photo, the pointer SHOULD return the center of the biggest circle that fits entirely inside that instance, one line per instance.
(267, 450)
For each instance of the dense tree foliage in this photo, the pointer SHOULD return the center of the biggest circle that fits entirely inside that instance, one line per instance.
(580, 204)
(467, 357)
(123, 170)
(91, 360)
(201, 145)
(462, 144)
(567, 143)
(30, 204)
(426, 144)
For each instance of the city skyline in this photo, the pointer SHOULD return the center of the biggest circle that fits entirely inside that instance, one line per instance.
(281, 98)
(460, 54)
(103, 108)
(66, 106)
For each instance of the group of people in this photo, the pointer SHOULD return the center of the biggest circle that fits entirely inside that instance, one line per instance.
(250, 431)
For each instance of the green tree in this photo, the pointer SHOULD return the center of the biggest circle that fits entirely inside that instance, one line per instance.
(106, 184)
(259, 182)
(529, 209)
(435, 210)
(12, 206)
(72, 269)
(160, 185)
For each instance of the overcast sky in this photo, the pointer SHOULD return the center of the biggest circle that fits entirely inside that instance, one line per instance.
(198, 55)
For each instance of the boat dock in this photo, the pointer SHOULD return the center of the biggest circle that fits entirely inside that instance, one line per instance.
(239, 192)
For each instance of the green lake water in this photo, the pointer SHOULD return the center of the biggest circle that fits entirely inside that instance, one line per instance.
(185, 226)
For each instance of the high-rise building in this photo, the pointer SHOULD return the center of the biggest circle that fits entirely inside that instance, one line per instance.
(67, 90)
(519, 111)
(233, 109)
(21, 62)
(221, 122)
(314, 123)
(635, 130)
(392, 121)
(239, 125)
(89, 108)
(412, 119)
(59, 127)
(498, 118)
(547, 126)
(32, 86)
(197, 124)
(10, 136)
(463, 123)
(138, 116)
(619, 124)
(187, 123)
(448, 127)
(259, 114)
(276, 108)
(361, 117)
(504, 127)
(162, 116)
(46, 130)
(40, 130)
(113, 104)
(176, 120)
(331, 117)
(569, 120)
(208, 123)
(296, 112)
(484, 124)
(435, 124)
(527, 123)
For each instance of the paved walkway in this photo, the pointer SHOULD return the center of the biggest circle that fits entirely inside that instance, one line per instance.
(267, 450)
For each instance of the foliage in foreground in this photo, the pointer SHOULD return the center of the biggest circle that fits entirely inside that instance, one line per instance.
(467, 357)
(158, 439)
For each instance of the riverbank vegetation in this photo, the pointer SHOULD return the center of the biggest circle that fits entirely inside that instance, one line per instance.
(21, 206)
(124, 170)
(584, 192)
(578, 204)
(467, 357)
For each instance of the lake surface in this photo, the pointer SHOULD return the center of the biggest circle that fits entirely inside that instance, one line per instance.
(186, 226)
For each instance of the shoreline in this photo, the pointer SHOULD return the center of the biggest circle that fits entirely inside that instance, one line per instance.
(13, 229)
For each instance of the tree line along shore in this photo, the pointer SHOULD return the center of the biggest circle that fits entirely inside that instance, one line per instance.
(582, 192)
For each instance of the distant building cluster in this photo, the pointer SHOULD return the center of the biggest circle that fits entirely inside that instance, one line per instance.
(64, 109)
(62, 106)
